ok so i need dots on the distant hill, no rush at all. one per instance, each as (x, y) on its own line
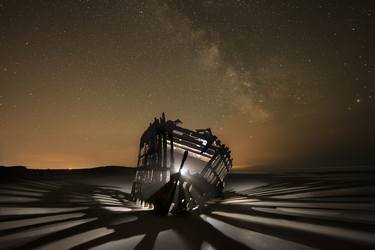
(102, 170)
(13, 168)
(305, 169)
(107, 169)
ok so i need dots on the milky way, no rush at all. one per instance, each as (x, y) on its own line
(283, 83)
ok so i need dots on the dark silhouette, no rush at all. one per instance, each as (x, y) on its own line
(159, 181)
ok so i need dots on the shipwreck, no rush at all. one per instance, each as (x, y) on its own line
(179, 169)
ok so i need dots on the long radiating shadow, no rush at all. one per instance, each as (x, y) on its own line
(314, 240)
(279, 200)
(341, 204)
(190, 228)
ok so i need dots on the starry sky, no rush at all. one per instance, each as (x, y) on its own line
(282, 83)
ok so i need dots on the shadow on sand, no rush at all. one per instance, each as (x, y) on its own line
(98, 207)
(291, 212)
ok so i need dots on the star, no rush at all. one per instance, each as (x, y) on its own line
(261, 71)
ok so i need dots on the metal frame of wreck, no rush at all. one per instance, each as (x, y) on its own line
(153, 155)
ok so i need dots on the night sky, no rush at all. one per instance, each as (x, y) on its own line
(283, 83)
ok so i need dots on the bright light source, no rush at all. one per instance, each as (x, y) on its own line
(184, 171)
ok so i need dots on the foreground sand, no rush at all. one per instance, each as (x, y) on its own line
(258, 211)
